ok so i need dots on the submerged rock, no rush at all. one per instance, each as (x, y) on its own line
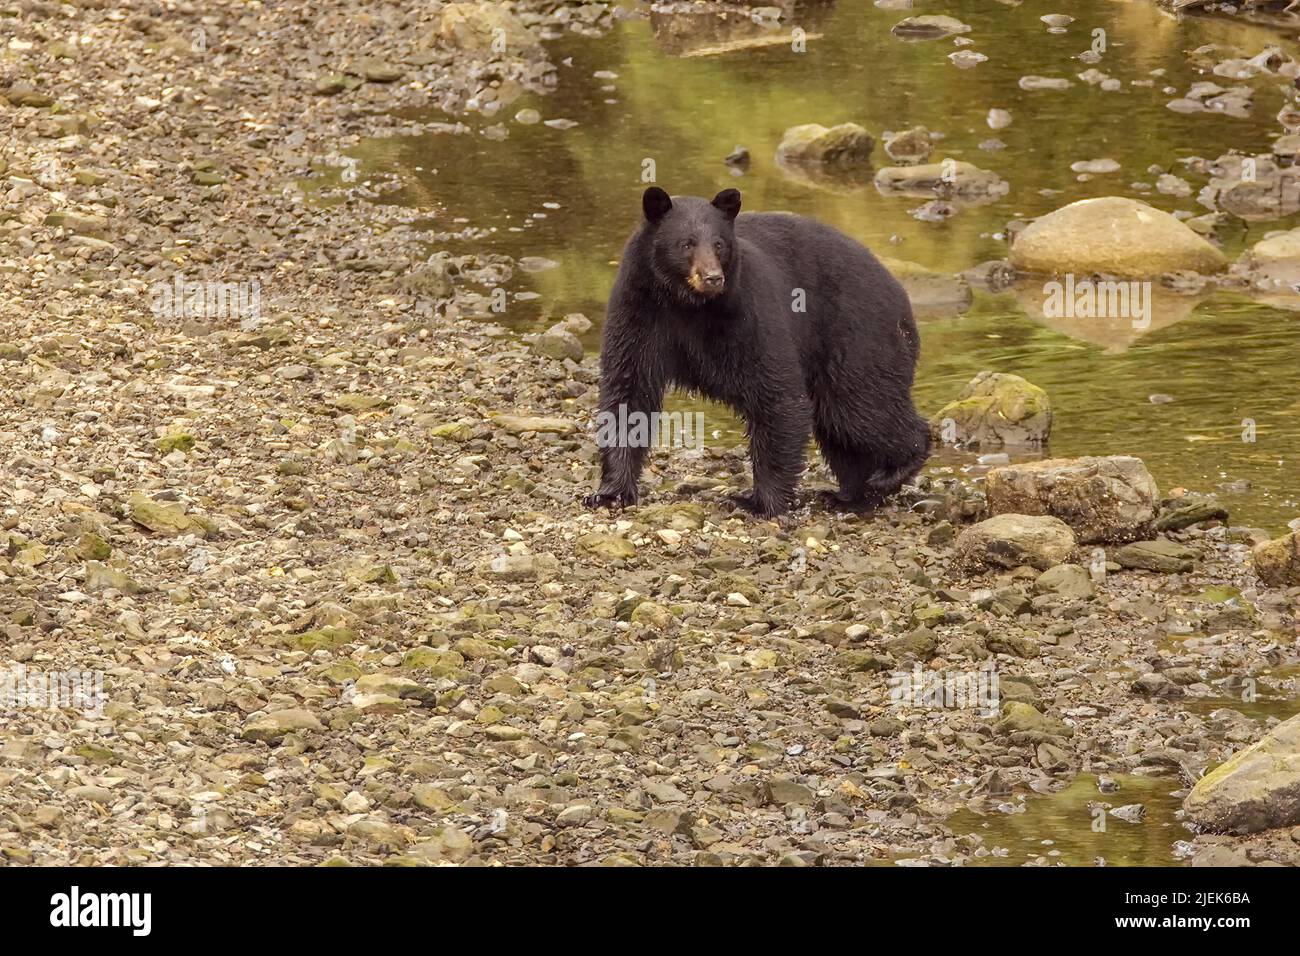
(929, 27)
(1111, 236)
(993, 410)
(953, 179)
(1102, 499)
(1256, 789)
(930, 292)
(845, 145)
(909, 146)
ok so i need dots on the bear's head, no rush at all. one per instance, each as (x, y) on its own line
(693, 242)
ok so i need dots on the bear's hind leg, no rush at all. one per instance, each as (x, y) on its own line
(902, 466)
(852, 468)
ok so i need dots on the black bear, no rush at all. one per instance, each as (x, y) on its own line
(794, 325)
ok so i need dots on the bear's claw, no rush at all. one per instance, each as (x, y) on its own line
(614, 500)
(750, 502)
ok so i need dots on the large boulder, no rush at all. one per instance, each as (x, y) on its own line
(1115, 236)
(485, 28)
(993, 410)
(1102, 499)
(1009, 541)
(1256, 789)
(845, 145)
(1277, 562)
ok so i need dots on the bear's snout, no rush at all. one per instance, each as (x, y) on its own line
(707, 281)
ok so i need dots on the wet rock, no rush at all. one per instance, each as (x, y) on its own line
(966, 59)
(951, 179)
(1277, 562)
(1112, 236)
(1010, 540)
(1094, 166)
(1044, 83)
(1161, 555)
(845, 145)
(738, 158)
(1184, 513)
(909, 146)
(929, 27)
(1256, 789)
(1273, 263)
(1102, 499)
(931, 293)
(1260, 190)
(995, 410)
(998, 119)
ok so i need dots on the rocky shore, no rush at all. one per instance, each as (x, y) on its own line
(332, 566)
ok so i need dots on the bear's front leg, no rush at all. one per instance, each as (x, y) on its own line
(620, 467)
(778, 437)
(631, 394)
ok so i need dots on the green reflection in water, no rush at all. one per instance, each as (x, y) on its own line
(1062, 828)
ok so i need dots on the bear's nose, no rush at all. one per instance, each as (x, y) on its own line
(712, 281)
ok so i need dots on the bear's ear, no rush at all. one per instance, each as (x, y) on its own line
(656, 203)
(729, 202)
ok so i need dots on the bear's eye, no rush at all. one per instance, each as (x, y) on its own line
(688, 243)
(717, 245)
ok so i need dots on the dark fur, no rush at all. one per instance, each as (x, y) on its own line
(840, 371)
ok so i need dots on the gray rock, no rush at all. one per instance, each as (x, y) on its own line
(1065, 580)
(1011, 540)
(1102, 499)
(1161, 555)
(1256, 789)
